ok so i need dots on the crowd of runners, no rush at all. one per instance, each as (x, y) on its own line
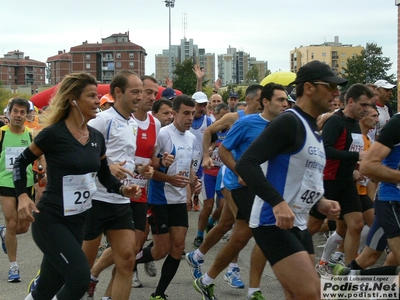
(274, 166)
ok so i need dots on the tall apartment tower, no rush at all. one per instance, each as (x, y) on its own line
(233, 66)
(334, 54)
(179, 53)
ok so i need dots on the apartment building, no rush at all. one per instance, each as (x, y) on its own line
(335, 54)
(102, 60)
(17, 69)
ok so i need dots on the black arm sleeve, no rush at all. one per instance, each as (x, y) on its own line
(110, 182)
(333, 128)
(279, 137)
(19, 170)
(390, 133)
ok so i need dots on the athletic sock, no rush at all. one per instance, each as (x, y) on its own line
(331, 244)
(168, 272)
(144, 256)
(200, 233)
(354, 265)
(232, 266)
(197, 255)
(251, 291)
(210, 221)
(207, 280)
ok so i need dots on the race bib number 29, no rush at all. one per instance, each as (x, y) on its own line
(77, 193)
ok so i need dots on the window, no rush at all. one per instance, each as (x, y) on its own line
(323, 54)
(118, 55)
(130, 54)
(343, 54)
(9, 69)
(87, 56)
(118, 64)
(41, 77)
(312, 55)
(131, 64)
(9, 77)
(87, 66)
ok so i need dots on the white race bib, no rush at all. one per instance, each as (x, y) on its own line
(357, 145)
(183, 166)
(77, 193)
(11, 153)
(216, 159)
(138, 179)
(196, 160)
(310, 192)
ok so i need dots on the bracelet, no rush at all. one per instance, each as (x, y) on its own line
(121, 190)
(161, 164)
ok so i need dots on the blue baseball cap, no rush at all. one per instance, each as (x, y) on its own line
(233, 95)
(168, 93)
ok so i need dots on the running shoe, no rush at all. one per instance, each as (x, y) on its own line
(196, 204)
(150, 269)
(209, 227)
(323, 269)
(195, 266)
(337, 259)
(233, 279)
(135, 280)
(206, 290)
(255, 296)
(338, 269)
(158, 297)
(13, 274)
(91, 289)
(101, 249)
(33, 283)
(198, 240)
(3, 238)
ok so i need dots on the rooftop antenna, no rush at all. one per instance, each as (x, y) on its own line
(184, 24)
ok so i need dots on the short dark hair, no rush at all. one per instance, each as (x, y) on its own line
(220, 107)
(268, 91)
(157, 104)
(252, 90)
(299, 89)
(120, 80)
(357, 90)
(144, 77)
(19, 101)
(182, 99)
(342, 96)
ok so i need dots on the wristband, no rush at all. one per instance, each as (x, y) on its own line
(121, 190)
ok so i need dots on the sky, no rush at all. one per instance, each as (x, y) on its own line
(265, 29)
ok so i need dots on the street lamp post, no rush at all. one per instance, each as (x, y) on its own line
(170, 4)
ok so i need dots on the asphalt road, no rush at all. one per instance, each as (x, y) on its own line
(29, 258)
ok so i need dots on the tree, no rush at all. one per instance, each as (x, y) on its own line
(184, 78)
(368, 66)
(252, 75)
